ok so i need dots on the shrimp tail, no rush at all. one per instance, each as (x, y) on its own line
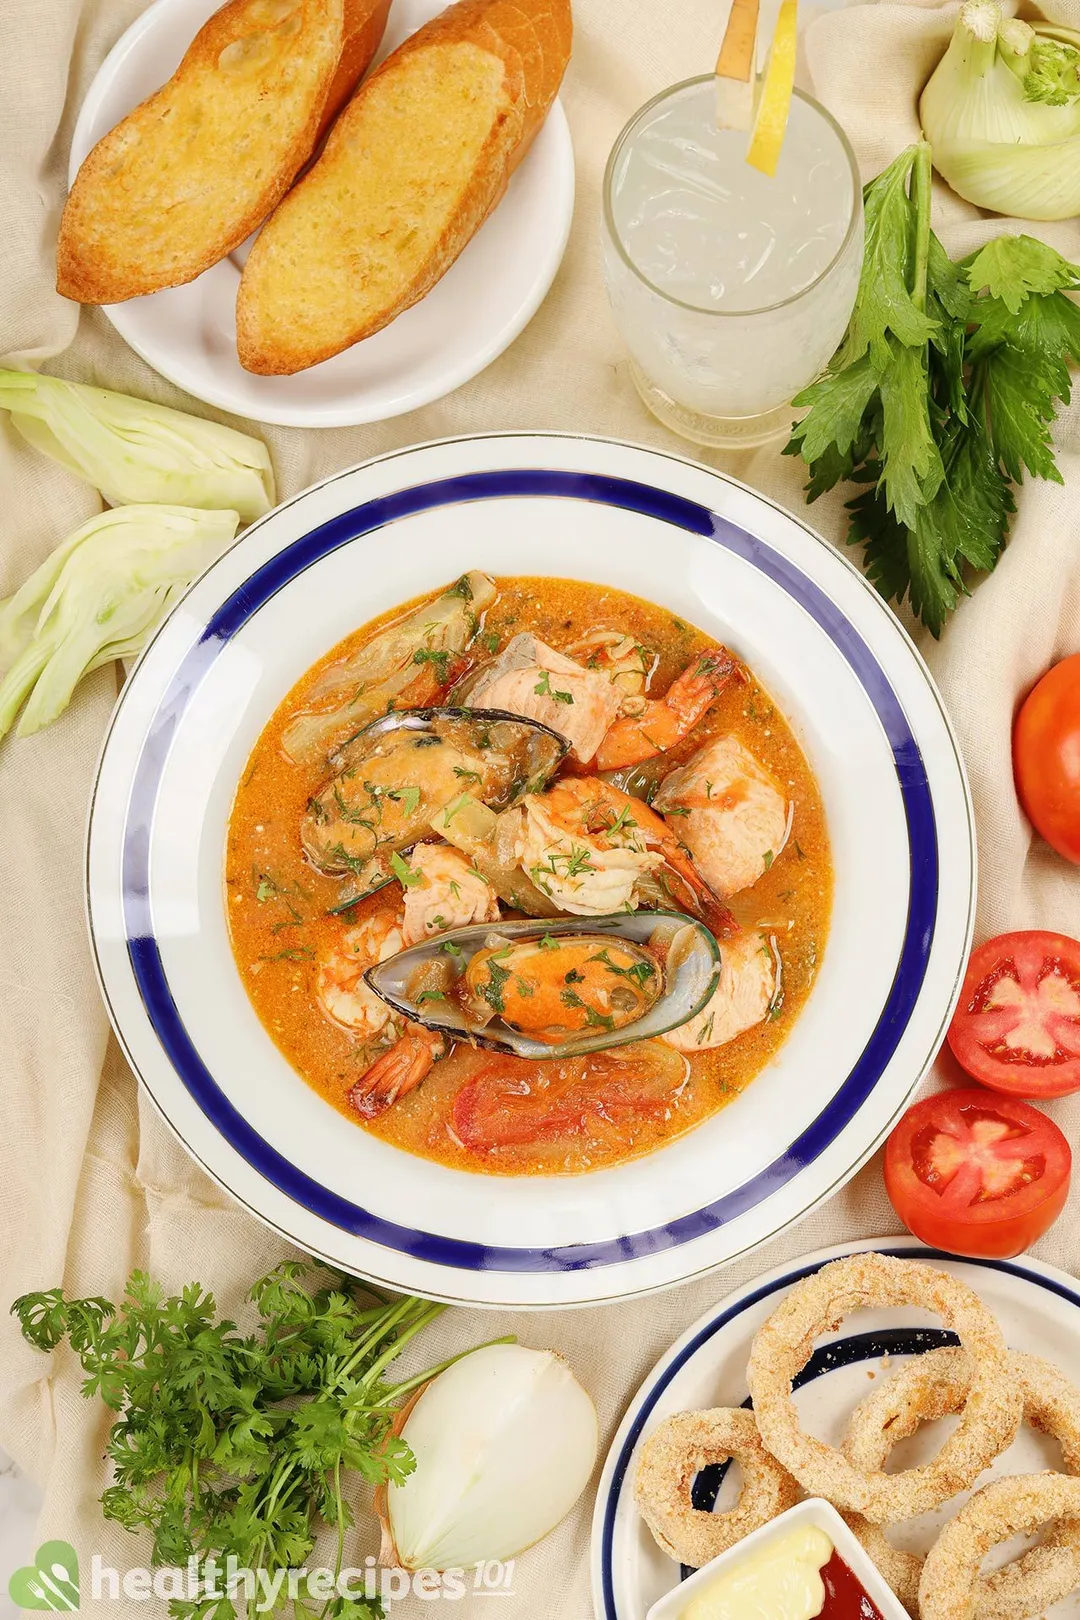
(397, 1072)
(667, 720)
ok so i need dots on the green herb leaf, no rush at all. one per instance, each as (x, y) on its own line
(943, 393)
(440, 659)
(408, 798)
(885, 303)
(405, 874)
(1012, 267)
(544, 688)
(230, 1443)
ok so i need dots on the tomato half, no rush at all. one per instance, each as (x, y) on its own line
(1017, 1026)
(977, 1175)
(1046, 757)
(511, 1104)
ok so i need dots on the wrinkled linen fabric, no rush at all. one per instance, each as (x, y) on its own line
(94, 1183)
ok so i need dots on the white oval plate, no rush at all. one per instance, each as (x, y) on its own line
(717, 554)
(476, 311)
(1039, 1311)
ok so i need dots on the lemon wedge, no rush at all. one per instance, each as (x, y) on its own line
(775, 104)
(735, 67)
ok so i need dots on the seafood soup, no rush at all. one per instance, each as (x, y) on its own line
(528, 876)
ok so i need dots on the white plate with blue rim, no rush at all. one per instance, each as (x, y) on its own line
(1037, 1306)
(484, 301)
(716, 554)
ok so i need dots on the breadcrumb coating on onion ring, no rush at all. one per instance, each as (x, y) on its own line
(676, 1452)
(1008, 1507)
(934, 1386)
(817, 1305)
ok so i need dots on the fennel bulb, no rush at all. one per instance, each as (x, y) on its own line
(1002, 114)
(133, 451)
(98, 597)
(505, 1440)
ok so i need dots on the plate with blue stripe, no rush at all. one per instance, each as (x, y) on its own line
(751, 575)
(1037, 1306)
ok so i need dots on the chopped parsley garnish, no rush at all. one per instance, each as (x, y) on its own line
(623, 821)
(440, 659)
(408, 798)
(548, 943)
(570, 998)
(578, 860)
(268, 888)
(467, 775)
(524, 988)
(299, 953)
(405, 874)
(597, 1020)
(544, 688)
(429, 995)
(640, 973)
(491, 639)
(768, 858)
(462, 588)
(494, 991)
(451, 949)
(454, 806)
(573, 977)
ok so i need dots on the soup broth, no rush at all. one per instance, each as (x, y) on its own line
(492, 1112)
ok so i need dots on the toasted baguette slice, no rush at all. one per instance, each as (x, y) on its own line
(183, 179)
(410, 171)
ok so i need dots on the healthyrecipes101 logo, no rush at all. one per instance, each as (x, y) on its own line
(52, 1582)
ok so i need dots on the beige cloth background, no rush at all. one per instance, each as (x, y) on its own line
(93, 1183)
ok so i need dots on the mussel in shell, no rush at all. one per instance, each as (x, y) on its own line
(556, 988)
(400, 778)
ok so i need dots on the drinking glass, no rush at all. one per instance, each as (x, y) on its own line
(731, 288)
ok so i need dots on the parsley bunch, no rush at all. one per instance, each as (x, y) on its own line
(232, 1443)
(941, 394)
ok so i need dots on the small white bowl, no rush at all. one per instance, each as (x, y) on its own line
(815, 1512)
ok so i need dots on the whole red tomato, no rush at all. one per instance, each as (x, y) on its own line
(1046, 757)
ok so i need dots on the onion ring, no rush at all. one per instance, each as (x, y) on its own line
(783, 1345)
(1008, 1507)
(935, 1386)
(677, 1451)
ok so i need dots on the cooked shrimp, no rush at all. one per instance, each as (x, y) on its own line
(406, 1052)
(398, 1071)
(626, 663)
(589, 846)
(339, 981)
(749, 987)
(532, 679)
(452, 894)
(733, 817)
(666, 721)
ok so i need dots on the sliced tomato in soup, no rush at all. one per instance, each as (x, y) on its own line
(1017, 1026)
(976, 1174)
(513, 1103)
